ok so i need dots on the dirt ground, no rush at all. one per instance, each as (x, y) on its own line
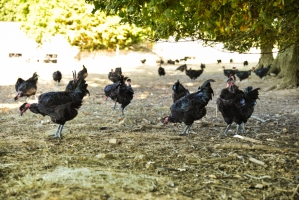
(104, 155)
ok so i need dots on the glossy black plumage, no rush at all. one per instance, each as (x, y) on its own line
(242, 75)
(228, 72)
(60, 106)
(115, 76)
(182, 68)
(120, 92)
(262, 72)
(83, 73)
(26, 88)
(236, 105)
(194, 74)
(110, 91)
(161, 71)
(178, 91)
(191, 107)
(57, 76)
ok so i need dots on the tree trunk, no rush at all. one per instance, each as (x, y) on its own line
(266, 55)
(289, 70)
(282, 59)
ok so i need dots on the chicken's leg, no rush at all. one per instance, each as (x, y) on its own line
(186, 130)
(226, 130)
(238, 126)
(58, 132)
(244, 127)
(114, 104)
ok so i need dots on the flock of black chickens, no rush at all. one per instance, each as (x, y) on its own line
(234, 104)
(194, 74)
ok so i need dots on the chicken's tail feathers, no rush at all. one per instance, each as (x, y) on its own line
(252, 94)
(207, 90)
(34, 77)
(207, 83)
(82, 86)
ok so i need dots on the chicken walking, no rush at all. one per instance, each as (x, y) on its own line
(236, 105)
(191, 107)
(26, 88)
(60, 106)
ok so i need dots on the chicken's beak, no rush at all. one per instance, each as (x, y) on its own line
(21, 112)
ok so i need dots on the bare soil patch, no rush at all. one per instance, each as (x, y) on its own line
(148, 160)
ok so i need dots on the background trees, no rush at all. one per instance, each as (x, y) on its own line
(239, 24)
(73, 19)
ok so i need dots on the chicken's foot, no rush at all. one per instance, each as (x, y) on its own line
(186, 130)
(226, 130)
(58, 132)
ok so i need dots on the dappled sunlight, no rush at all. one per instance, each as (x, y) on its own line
(189, 84)
(143, 95)
(135, 86)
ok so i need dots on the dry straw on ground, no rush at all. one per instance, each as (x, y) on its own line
(147, 160)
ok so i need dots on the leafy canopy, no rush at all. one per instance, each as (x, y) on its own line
(239, 24)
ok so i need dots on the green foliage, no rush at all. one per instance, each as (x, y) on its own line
(14, 10)
(239, 24)
(42, 19)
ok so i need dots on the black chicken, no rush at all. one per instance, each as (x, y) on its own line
(120, 92)
(262, 72)
(110, 90)
(172, 62)
(191, 107)
(160, 61)
(124, 94)
(178, 91)
(115, 76)
(236, 105)
(242, 75)
(161, 71)
(228, 72)
(143, 61)
(60, 106)
(182, 68)
(57, 76)
(219, 61)
(194, 74)
(26, 88)
(83, 73)
(231, 61)
(245, 63)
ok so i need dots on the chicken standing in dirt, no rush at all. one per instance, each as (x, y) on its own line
(57, 76)
(262, 72)
(111, 89)
(161, 71)
(194, 74)
(124, 94)
(191, 107)
(60, 106)
(26, 88)
(81, 74)
(178, 91)
(120, 92)
(236, 105)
